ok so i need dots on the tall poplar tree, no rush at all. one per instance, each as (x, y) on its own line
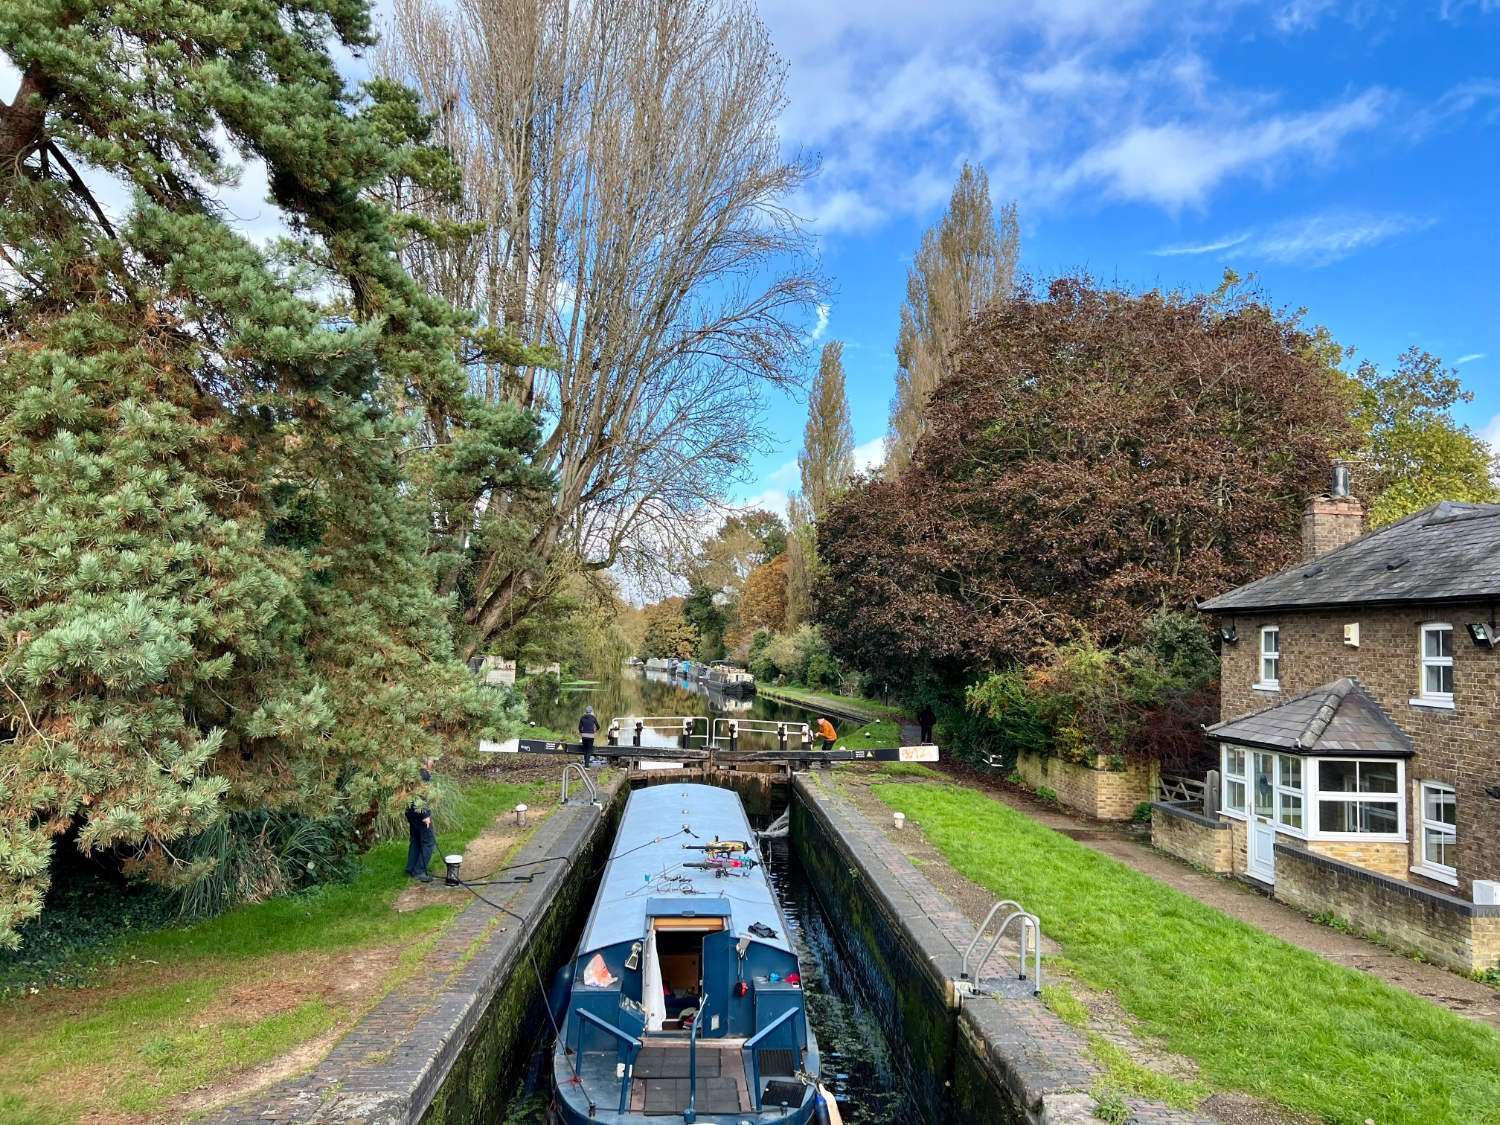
(965, 261)
(215, 600)
(827, 457)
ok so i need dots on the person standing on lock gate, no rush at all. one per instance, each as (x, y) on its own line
(826, 733)
(926, 717)
(588, 726)
(422, 841)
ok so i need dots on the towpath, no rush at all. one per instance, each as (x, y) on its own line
(1459, 994)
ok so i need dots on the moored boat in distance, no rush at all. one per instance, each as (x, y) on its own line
(658, 664)
(730, 680)
(686, 998)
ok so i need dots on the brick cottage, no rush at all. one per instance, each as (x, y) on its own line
(1359, 747)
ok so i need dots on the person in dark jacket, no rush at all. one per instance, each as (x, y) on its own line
(588, 726)
(421, 842)
(926, 717)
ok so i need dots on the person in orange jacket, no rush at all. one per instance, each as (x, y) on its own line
(826, 732)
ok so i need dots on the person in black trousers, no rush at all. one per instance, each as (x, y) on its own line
(422, 841)
(926, 717)
(588, 726)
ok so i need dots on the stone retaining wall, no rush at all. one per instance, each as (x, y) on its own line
(1446, 929)
(1182, 831)
(1096, 790)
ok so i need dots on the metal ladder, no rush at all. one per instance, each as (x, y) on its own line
(583, 775)
(967, 984)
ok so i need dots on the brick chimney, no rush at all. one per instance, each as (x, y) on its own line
(1331, 521)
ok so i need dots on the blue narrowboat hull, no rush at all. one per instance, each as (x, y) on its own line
(686, 1000)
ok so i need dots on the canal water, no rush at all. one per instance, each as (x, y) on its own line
(857, 1062)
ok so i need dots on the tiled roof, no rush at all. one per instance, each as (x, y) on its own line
(1447, 552)
(1337, 718)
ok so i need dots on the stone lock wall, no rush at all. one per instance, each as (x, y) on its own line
(1096, 790)
(1447, 930)
(1187, 834)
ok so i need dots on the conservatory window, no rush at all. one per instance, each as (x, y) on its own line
(1359, 798)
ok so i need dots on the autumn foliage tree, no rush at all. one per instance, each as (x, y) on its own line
(1095, 455)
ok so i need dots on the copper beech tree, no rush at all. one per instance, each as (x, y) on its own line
(1096, 455)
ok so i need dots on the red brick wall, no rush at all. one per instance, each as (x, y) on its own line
(1460, 747)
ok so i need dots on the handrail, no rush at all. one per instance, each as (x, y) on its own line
(624, 1036)
(979, 933)
(588, 782)
(1027, 919)
(690, 1114)
(750, 1045)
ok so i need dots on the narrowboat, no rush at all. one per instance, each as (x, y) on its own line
(658, 664)
(731, 680)
(685, 1001)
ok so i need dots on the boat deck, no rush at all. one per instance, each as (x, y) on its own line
(660, 1084)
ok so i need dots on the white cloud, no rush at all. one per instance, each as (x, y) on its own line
(1178, 164)
(1301, 15)
(1490, 432)
(1225, 243)
(1055, 99)
(821, 326)
(869, 455)
(1470, 358)
(1314, 240)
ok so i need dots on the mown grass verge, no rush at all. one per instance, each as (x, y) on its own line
(815, 699)
(184, 1007)
(881, 734)
(1253, 1012)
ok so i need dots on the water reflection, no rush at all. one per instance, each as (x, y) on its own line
(655, 693)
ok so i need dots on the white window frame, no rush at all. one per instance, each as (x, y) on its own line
(1242, 779)
(1424, 697)
(1424, 866)
(1262, 683)
(1285, 791)
(1316, 795)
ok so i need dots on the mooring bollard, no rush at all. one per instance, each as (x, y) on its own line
(639, 726)
(781, 736)
(899, 820)
(614, 732)
(521, 816)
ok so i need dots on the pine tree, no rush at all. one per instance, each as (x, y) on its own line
(215, 597)
(964, 263)
(827, 457)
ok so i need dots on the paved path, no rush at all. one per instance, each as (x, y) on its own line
(1237, 899)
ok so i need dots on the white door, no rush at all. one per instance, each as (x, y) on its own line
(1260, 860)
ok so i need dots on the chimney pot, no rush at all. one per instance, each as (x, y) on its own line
(1328, 522)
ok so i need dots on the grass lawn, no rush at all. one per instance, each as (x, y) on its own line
(1255, 1013)
(878, 735)
(813, 699)
(188, 1006)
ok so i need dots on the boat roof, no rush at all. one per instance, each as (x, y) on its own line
(663, 828)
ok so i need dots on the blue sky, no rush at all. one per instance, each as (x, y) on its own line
(1347, 154)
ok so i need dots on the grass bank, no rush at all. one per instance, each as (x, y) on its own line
(868, 709)
(1253, 1012)
(182, 1008)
